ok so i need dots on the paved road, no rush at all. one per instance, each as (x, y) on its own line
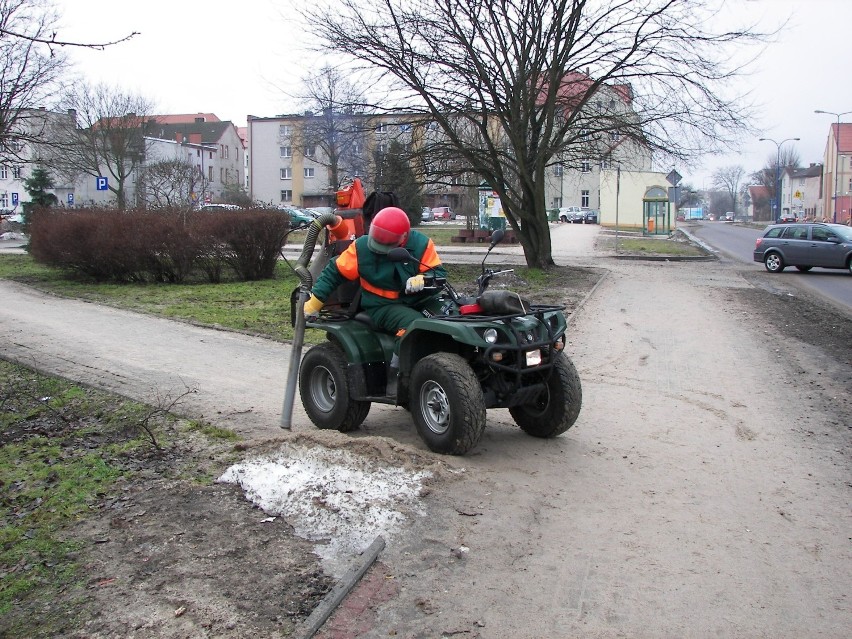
(694, 497)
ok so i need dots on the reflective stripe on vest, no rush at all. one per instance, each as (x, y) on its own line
(381, 292)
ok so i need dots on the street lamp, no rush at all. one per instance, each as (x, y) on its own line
(778, 171)
(836, 158)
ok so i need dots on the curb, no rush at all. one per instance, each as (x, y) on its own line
(668, 258)
(585, 299)
(337, 594)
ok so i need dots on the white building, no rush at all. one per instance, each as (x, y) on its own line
(14, 169)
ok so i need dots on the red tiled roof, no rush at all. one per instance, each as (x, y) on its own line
(184, 118)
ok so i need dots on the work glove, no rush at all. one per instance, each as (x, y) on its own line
(312, 306)
(414, 284)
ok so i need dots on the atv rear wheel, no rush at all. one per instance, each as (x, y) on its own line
(557, 407)
(325, 390)
(447, 404)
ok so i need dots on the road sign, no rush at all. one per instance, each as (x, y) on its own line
(101, 184)
(71, 198)
(797, 195)
(674, 178)
(15, 199)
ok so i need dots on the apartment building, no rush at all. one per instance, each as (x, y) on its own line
(17, 166)
(214, 148)
(576, 180)
(801, 192)
(837, 177)
(302, 159)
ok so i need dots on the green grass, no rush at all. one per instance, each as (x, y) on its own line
(656, 247)
(63, 448)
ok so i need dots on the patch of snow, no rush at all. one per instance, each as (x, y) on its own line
(332, 496)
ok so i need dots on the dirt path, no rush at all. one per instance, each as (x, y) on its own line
(697, 495)
(703, 492)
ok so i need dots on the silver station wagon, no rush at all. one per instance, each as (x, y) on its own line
(805, 246)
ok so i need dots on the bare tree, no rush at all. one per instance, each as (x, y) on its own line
(728, 180)
(173, 184)
(29, 72)
(31, 67)
(515, 86)
(334, 127)
(106, 137)
(773, 169)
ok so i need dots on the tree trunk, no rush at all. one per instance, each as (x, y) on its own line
(534, 236)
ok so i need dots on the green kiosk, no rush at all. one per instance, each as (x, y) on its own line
(656, 214)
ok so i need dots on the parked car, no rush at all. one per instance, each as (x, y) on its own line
(787, 218)
(590, 216)
(443, 213)
(426, 215)
(805, 246)
(299, 217)
(570, 214)
(729, 216)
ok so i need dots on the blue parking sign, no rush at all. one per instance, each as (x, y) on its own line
(70, 198)
(14, 199)
(101, 183)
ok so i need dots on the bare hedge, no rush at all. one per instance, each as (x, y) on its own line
(160, 246)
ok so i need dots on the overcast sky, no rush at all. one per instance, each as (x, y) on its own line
(238, 58)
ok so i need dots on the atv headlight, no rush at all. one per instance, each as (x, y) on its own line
(490, 335)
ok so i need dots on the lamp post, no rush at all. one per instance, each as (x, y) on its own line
(778, 171)
(836, 158)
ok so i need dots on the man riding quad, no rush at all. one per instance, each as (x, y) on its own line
(391, 292)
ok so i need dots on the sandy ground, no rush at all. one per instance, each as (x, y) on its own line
(703, 492)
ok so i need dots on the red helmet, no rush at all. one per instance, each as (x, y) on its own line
(388, 229)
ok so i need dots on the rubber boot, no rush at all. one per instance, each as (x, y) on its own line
(393, 375)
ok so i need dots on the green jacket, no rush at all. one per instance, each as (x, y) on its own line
(382, 281)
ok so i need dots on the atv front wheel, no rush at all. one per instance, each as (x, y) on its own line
(325, 390)
(447, 404)
(557, 407)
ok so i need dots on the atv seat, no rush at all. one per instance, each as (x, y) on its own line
(361, 316)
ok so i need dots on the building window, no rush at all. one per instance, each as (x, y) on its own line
(614, 136)
(584, 135)
(222, 174)
(381, 147)
(356, 149)
(286, 174)
(284, 130)
(16, 172)
(557, 170)
(4, 172)
(310, 151)
(211, 155)
(382, 128)
(557, 202)
(585, 166)
(309, 172)
(4, 200)
(606, 163)
(584, 199)
(285, 151)
(286, 195)
(210, 173)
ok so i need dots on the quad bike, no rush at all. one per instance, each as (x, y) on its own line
(466, 355)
